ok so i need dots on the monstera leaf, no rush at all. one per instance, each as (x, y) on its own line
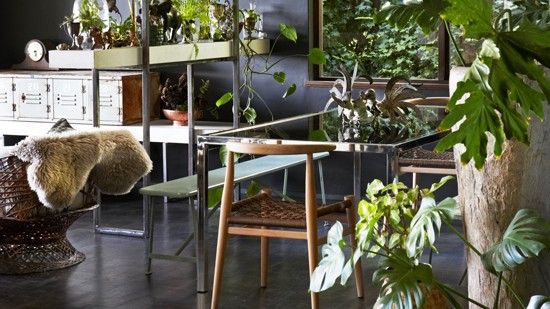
(475, 17)
(424, 13)
(526, 236)
(402, 280)
(332, 263)
(426, 221)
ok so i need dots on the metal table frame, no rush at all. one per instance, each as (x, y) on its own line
(204, 142)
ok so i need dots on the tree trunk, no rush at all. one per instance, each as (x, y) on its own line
(491, 197)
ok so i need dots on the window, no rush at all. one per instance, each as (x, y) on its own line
(348, 33)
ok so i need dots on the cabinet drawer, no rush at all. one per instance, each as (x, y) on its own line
(31, 97)
(6, 98)
(110, 101)
(68, 99)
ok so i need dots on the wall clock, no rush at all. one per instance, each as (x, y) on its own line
(36, 56)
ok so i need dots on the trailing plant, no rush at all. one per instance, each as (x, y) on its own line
(255, 64)
(366, 119)
(497, 96)
(398, 223)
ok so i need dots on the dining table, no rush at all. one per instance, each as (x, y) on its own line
(325, 127)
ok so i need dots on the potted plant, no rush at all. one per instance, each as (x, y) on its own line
(397, 224)
(195, 19)
(364, 118)
(495, 113)
(173, 96)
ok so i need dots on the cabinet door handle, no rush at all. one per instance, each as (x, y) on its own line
(23, 97)
(84, 110)
(13, 107)
(48, 109)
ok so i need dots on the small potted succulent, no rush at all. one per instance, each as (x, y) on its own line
(173, 95)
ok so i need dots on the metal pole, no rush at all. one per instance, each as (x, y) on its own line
(190, 121)
(391, 166)
(164, 167)
(236, 64)
(95, 120)
(201, 227)
(145, 93)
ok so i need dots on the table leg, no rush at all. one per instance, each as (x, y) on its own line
(164, 168)
(391, 166)
(202, 221)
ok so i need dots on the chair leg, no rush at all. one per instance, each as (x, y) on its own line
(311, 224)
(358, 269)
(218, 268)
(264, 253)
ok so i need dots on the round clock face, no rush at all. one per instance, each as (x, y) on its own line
(35, 50)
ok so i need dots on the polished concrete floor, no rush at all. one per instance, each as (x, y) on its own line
(112, 276)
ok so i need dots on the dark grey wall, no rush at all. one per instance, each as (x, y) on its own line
(23, 20)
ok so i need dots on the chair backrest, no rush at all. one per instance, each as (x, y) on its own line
(272, 149)
(277, 149)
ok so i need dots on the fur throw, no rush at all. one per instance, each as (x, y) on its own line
(61, 164)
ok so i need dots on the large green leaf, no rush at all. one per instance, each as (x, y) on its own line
(539, 302)
(401, 279)
(317, 56)
(330, 268)
(477, 116)
(250, 115)
(224, 99)
(475, 16)
(425, 13)
(426, 221)
(279, 77)
(288, 32)
(526, 236)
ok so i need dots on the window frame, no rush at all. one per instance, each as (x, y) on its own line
(317, 80)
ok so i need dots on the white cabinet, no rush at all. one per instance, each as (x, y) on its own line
(31, 98)
(51, 95)
(7, 108)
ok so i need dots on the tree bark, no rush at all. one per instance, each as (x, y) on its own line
(490, 198)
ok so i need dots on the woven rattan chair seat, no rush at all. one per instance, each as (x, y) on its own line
(421, 157)
(263, 210)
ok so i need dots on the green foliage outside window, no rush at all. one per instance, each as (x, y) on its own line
(351, 34)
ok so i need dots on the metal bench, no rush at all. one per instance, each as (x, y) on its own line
(186, 187)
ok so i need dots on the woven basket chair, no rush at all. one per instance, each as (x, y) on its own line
(32, 237)
(264, 217)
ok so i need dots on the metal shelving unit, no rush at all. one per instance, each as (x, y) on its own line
(145, 58)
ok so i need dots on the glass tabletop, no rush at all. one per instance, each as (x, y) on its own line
(337, 128)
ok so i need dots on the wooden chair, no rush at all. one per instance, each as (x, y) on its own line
(265, 217)
(419, 160)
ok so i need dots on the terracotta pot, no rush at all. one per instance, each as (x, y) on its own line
(178, 118)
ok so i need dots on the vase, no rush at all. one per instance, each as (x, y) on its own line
(179, 118)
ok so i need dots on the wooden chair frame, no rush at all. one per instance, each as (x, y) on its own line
(310, 234)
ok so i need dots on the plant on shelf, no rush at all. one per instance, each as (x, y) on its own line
(90, 15)
(174, 100)
(195, 18)
(366, 119)
(397, 224)
(255, 65)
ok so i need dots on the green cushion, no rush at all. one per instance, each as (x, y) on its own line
(247, 170)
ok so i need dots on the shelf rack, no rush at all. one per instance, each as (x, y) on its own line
(146, 57)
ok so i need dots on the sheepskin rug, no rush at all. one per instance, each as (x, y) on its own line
(61, 164)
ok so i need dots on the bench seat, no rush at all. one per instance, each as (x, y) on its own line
(247, 170)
